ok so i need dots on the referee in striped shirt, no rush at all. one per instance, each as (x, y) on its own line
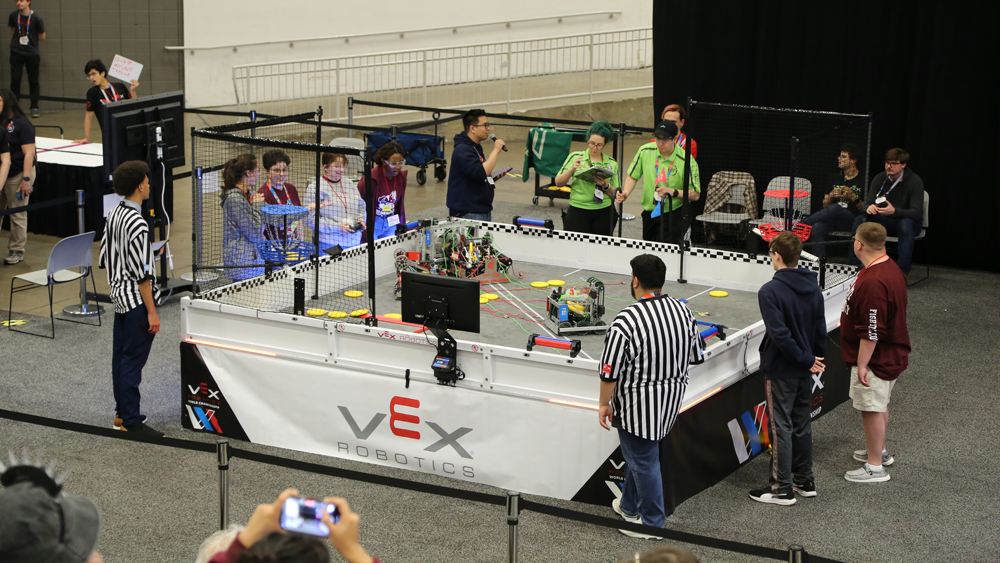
(644, 373)
(128, 258)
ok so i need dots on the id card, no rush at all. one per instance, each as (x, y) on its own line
(392, 220)
(24, 40)
(598, 195)
(490, 181)
(385, 208)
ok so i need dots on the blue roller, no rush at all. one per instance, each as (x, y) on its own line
(530, 222)
(709, 332)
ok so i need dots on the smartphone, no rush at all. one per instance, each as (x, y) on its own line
(502, 173)
(302, 515)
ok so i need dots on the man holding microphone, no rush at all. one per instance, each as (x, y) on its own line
(470, 184)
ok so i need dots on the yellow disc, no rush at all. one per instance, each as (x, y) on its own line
(483, 300)
(394, 316)
(353, 293)
(490, 296)
(556, 282)
(539, 284)
(337, 314)
(565, 189)
(718, 293)
(554, 188)
(316, 312)
(359, 312)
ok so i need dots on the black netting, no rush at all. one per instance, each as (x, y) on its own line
(256, 216)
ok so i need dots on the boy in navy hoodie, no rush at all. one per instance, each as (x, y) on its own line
(470, 187)
(794, 317)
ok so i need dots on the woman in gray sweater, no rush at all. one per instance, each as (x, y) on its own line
(242, 228)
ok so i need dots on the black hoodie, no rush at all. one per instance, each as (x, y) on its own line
(794, 316)
(468, 189)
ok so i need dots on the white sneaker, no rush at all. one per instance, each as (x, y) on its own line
(862, 456)
(640, 535)
(616, 505)
(865, 475)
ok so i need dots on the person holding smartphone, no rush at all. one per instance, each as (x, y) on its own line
(341, 209)
(263, 539)
(590, 204)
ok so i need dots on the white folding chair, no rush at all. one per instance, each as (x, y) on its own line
(70, 252)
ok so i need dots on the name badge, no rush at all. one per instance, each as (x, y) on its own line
(489, 180)
(385, 208)
(598, 195)
(24, 40)
(393, 220)
(879, 200)
(842, 204)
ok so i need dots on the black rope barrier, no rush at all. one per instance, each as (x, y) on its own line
(394, 482)
(37, 206)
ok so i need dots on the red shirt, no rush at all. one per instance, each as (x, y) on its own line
(875, 309)
(273, 196)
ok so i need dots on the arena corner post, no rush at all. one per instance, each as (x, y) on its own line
(620, 155)
(316, 214)
(370, 230)
(793, 169)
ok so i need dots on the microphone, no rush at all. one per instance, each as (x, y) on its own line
(494, 138)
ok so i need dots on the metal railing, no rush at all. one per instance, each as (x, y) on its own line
(513, 75)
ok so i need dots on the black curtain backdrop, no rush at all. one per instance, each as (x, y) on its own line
(928, 71)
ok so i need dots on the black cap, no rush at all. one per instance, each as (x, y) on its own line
(666, 129)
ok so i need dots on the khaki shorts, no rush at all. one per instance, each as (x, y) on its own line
(870, 399)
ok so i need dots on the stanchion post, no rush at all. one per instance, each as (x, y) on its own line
(84, 309)
(350, 116)
(513, 514)
(222, 449)
(797, 554)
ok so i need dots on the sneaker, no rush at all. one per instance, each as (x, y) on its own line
(771, 497)
(640, 535)
(144, 430)
(866, 475)
(14, 257)
(862, 456)
(35, 112)
(119, 422)
(616, 505)
(807, 489)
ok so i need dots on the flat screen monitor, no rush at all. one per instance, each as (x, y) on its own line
(448, 302)
(129, 130)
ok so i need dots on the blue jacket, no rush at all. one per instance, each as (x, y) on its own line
(468, 190)
(794, 316)
(241, 231)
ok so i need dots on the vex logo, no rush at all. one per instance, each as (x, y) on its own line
(203, 419)
(406, 425)
(204, 390)
(750, 436)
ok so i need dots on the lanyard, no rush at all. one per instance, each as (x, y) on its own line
(334, 190)
(276, 198)
(856, 280)
(27, 24)
(898, 180)
(682, 140)
(115, 96)
(656, 171)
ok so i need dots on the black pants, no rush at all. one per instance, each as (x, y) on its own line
(789, 423)
(17, 60)
(591, 221)
(131, 342)
(672, 233)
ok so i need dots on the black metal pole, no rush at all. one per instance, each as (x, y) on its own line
(686, 205)
(822, 272)
(370, 230)
(620, 155)
(793, 165)
(316, 213)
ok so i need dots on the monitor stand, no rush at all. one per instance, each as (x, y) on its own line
(445, 364)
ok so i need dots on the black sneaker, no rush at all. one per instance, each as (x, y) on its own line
(144, 430)
(35, 112)
(118, 423)
(807, 489)
(773, 497)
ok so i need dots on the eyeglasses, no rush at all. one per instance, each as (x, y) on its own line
(855, 239)
(396, 163)
(486, 125)
(596, 145)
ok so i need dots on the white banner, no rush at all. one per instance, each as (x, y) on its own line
(528, 445)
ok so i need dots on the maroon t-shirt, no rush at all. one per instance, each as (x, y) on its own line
(273, 196)
(389, 193)
(875, 309)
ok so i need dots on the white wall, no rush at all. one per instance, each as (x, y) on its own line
(215, 23)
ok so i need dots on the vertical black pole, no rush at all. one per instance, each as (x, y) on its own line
(822, 272)
(620, 155)
(370, 230)
(393, 134)
(681, 246)
(793, 165)
(316, 213)
(253, 119)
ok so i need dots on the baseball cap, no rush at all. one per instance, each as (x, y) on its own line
(39, 526)
(666, 129)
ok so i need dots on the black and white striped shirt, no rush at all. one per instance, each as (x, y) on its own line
(647, 351)
(127, 256)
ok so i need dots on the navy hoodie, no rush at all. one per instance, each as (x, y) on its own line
(468, 190)
(794, 316)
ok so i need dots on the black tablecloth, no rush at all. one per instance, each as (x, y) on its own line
(54, 181)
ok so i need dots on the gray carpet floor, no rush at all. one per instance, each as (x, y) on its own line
(159, 503)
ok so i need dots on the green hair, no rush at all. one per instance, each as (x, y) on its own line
(602, 129)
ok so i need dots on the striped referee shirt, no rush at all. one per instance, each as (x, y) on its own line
(647, 351)
(127, 256)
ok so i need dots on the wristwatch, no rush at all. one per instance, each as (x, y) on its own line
(27, 178)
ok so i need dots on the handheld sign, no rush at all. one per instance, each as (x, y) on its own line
(125, 69)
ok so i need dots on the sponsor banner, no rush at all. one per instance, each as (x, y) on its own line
(203, 406)
(717, 436)
(528, 445)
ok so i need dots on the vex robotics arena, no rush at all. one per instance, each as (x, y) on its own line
(589, 282)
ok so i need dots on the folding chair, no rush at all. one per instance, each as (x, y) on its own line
(70, 252)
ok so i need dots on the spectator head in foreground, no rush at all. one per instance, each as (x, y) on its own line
(216, 543)
(664, 554)
(38, 522)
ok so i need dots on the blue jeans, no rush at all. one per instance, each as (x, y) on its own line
(477, 216)
(131, 342)
(904, 229)
(643, 492)
(789, 404)
(831, 218)
(383, 229)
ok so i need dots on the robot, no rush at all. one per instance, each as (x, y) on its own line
(578, 311)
